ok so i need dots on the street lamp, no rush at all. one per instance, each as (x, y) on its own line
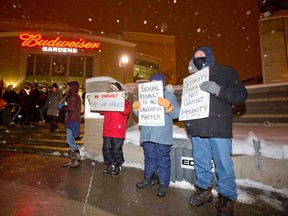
(122, 63)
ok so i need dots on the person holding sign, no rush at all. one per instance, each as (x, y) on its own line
(114, 132)
(211, 136)
(157, 140)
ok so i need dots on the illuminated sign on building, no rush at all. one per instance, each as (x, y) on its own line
(56, 45)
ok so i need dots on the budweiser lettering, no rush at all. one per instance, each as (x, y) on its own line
(31, 40)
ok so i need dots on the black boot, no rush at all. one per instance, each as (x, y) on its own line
(201, 196)
(116, 171)
(109, 169)
(162, 190)
(145, 184)
(224, 206)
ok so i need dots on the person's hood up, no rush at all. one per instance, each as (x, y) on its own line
(210, 60)
(73, 87)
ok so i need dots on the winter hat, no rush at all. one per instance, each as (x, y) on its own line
(116, 85)
(55, 85)
(158, 77)
(73, 86)
(210, 60)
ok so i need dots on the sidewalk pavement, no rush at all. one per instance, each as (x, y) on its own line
(33, 184)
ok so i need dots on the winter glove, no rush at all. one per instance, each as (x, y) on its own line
(125, 95)
(60, 106)
(136, 105)
(211, 87)
(166, 104)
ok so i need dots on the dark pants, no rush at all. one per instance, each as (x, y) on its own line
(112, 151)
(53, 123)
(157, 159)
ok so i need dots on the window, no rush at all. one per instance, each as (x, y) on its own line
(144, 69)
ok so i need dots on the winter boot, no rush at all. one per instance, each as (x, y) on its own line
(116, 171)
(224, 206)
(70, 161)
(162, 190)
(109, 169)
(145, 184)
(76, 160)
(201, 196)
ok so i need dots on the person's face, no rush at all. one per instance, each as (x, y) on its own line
(199, 53)
(112, 88)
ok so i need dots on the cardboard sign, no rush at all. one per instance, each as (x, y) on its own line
(195, 102)
(150, 112)
(107, 101)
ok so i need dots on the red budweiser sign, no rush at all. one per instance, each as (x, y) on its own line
(36, 40)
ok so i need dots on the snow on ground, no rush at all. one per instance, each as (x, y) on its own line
(274, 144)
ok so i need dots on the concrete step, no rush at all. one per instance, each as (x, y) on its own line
(35, 139)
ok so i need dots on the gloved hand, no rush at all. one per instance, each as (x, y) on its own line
(211, 87)
(125, 94)
(165, 103)
(136, 105)
(60, 106)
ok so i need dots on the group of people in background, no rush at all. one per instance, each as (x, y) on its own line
(32, 104)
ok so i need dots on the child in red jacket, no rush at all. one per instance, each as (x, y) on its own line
(114, 132)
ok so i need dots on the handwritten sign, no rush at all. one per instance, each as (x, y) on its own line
(107, 101)
(150, 112)
(195, 102)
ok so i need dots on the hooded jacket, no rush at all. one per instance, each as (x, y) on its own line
(73, 108)
(161, 134)
(232, 92)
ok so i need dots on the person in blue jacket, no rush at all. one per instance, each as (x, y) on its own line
(211, 136)
(157, 142)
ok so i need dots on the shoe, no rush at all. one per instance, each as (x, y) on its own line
(162, 190)
(116, 172)
(145, 184)
(201, 196)
(224, 206)
(109, 169)
(70, 160)
(76, 160)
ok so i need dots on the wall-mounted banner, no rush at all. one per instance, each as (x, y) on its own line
(107, 101)
(195, 102)
(150, 112)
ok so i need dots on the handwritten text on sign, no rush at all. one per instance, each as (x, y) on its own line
(150, 112)
(195, 102)
(107, 101)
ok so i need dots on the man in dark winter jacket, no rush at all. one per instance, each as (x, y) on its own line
(72, 110)
(211, 136)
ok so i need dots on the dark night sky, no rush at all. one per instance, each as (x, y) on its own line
(228, 27)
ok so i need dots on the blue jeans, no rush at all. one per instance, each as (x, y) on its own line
(218, 149)
(157, 160)
(72, 132)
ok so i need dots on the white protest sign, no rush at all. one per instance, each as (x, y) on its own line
(107, 101)
(150, 112)
(195, 102)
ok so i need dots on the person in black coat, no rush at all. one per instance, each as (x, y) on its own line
(211, 136)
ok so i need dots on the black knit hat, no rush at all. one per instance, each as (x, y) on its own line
(55, 85)
(117, 85)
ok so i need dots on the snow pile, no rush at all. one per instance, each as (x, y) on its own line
(241, 145)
